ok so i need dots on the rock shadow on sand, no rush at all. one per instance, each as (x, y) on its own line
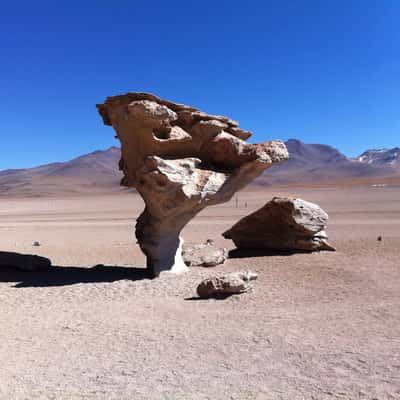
(250, 253)
(14, 267)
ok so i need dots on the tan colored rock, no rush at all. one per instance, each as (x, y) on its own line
(227, 284)
(283, 224)
(204, 255)
(180, 160)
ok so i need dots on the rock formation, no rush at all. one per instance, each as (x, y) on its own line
(204, 255)
(283, 224)
(226, 285)
(180, 160)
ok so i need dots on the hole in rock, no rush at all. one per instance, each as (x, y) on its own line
(162, 133)
(216, 167)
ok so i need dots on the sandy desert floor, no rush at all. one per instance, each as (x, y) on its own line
(316, 326)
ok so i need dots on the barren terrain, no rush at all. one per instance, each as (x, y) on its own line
(316, 326)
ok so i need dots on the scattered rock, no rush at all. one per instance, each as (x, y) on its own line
(227, 284)
(24, 262)
(36, 244)
(180, 160)
(283, 224)
(204, 255)
(379, 238)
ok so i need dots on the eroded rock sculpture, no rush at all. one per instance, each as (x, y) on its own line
(227, 284)
(180, 160)
(283, 224)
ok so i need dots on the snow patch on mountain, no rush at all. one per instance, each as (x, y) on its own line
(381, 157)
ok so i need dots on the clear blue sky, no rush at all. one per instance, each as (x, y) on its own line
(324, 71)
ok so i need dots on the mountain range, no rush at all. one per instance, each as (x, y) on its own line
(320, 163)
(92, 173)
(98, 172)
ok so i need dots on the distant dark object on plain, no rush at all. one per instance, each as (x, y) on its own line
(379, 238)
(36, 244)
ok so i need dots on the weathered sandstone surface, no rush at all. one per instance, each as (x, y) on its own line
(283, 224)
(180, 160)
(204, 255)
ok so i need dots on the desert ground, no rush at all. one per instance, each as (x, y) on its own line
(316, 326)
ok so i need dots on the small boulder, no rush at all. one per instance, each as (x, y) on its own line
(227, 284)
(283, 224)
(204, 255)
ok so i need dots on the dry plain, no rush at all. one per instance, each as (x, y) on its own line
(316, 326)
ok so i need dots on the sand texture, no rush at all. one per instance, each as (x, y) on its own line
(316, 326)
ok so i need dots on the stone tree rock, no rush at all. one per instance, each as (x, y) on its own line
(283, 224)
(180, 160)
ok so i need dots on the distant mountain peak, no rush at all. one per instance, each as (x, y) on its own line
(381, 157)
(113, 149)
(303, 153)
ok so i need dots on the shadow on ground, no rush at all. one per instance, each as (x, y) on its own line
(22, 269)
(249, 253)
(215, 297)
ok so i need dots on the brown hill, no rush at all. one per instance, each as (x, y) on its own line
(92, 173)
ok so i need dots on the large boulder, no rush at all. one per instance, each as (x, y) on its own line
(204, 255)
(283, 224)
(180, 160)
(227, 284)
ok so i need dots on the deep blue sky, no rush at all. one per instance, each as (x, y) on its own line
(321, 71)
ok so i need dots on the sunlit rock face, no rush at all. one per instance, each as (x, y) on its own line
(180, 160)
(283, 224)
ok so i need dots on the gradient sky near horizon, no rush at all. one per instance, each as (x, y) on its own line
(320, 71)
